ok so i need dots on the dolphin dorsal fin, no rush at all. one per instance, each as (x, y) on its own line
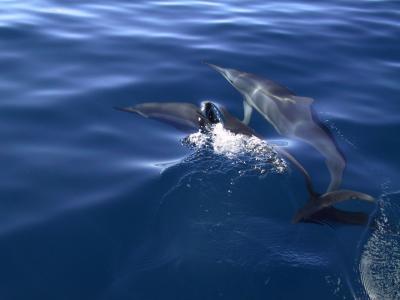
(302, 100)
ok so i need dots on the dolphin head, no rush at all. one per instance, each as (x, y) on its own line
(210, 115)
(230, 74)
(239, 80)
(211, 112)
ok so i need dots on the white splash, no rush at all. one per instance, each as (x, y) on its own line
(237, 146)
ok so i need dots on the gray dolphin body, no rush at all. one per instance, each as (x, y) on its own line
(184, 116)
(188, 116)
(292, 116)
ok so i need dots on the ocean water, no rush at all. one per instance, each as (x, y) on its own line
(100, 204)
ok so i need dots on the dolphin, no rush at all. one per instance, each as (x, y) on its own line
(292, 116)
(189, 116)
(183, 116)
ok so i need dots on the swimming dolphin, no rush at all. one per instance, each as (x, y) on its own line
(292, 116)
(189, 116)
(184, 116)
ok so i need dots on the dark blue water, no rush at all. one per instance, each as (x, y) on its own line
(99, 204)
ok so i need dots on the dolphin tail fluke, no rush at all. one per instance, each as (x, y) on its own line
(321, 208)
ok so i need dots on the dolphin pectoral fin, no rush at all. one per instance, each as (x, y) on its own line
(325, 201)
(248, 110)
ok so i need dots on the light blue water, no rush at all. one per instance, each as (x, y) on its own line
(98, 204)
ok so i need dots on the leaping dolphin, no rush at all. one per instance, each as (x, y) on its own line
(189, 116)
(292, 116)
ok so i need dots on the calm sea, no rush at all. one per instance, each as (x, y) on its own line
(100, 204)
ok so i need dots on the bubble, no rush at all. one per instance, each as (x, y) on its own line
(256, 154)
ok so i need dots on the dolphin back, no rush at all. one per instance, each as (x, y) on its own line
(234, 125)
(183, 116)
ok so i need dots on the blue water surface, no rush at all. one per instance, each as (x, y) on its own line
(99, 204)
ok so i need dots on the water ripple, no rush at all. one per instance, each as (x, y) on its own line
(66, 152)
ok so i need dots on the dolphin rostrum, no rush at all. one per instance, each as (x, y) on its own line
(292, 116)
(189, 116)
